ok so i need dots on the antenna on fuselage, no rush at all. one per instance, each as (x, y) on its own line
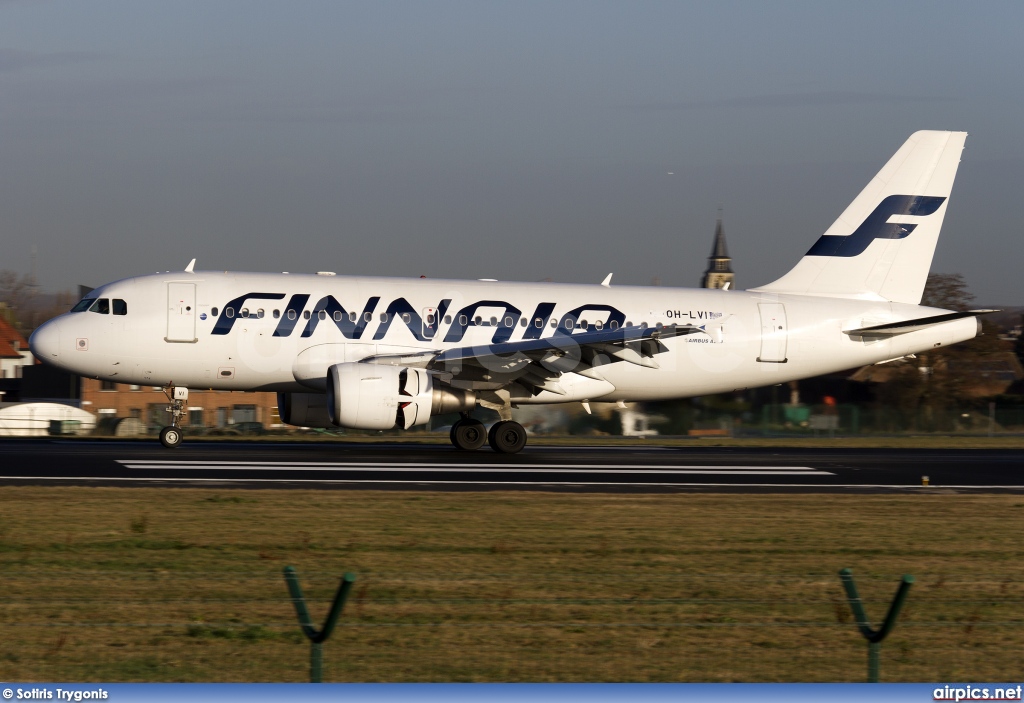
(191, 266)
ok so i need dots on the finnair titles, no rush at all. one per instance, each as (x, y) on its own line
(376, 353)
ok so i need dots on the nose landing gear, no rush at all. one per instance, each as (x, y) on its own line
(171, 436)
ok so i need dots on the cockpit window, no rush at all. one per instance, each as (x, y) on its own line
(120, 307)
(102, 306)
(83, 304)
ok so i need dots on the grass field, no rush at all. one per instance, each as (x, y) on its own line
(109, 584)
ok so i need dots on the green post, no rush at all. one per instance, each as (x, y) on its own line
(316, 638)
(874, 637)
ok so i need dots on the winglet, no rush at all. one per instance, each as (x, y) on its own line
(607, 282)
(191, 266)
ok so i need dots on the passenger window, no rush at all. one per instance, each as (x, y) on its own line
(368, 316)
(523, 322)
(614, 324)
(230, 312)
(568, 324)
(598, 325)
(120, 307)
(494, 322)
(213, 311)
(322, 314)
(305, 314)
(478, 320)
(244, 312)
(463, 320)
(405, 318)
(291, 314)
(337, 315)
(102, 306)
(277, 314)
(83, 304)
(538, 322)
(259, 314)
(643, 325)
(383, 317)
(554, 322)
(352, 317)
(583, 324)
(508, 321)
(447, 319)
(430, 318)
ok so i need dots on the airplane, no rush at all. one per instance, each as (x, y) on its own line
(374, 353)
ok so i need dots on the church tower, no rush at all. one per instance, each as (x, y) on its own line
(719, 271)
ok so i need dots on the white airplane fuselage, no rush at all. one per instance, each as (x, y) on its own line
(747, 339)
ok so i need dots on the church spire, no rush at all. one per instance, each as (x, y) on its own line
(719, 271)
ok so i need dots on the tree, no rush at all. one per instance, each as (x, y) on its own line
(18, 292)
(947, 291)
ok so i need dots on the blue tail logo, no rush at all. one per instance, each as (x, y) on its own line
(877, 225)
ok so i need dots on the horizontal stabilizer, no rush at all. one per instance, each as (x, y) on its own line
(891, 329)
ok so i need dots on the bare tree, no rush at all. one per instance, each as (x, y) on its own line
(18, 291)
(947, 291)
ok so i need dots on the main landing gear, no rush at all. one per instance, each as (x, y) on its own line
(171, 436)
(468, 434)
(505, 437)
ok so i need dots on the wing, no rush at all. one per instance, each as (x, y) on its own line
(538, 363)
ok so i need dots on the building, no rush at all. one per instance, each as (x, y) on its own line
(14, 352)
(211, 409)
(719, 272)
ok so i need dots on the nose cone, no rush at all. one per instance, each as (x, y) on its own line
(45, 342)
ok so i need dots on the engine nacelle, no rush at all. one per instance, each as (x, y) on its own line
(373, 397)
(304, 409)
(377, 397)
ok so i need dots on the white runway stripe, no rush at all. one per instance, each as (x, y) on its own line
(416, 482)
(417, 467)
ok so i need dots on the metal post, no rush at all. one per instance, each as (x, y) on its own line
(874, 637)
(316, 638)
(316, 662)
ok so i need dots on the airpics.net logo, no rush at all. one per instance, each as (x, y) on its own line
(978, 693)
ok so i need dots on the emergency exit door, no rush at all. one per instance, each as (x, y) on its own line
(181, 312)
(774, 333)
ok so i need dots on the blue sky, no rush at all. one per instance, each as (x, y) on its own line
(518, 140)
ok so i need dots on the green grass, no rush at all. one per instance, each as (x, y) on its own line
(107, 584)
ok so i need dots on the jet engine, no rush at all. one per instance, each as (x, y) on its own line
(378, 397)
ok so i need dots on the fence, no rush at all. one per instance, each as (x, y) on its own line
(555, 626)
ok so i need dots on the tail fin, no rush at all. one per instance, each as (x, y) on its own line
(881, 247)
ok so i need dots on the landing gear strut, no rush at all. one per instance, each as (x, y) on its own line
(171, 436)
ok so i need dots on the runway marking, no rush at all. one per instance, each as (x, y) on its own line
(830, 486)
(157, 464)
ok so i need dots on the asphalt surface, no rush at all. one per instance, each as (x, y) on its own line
(409, 466)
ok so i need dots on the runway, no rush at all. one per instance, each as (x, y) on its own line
(410, 466)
